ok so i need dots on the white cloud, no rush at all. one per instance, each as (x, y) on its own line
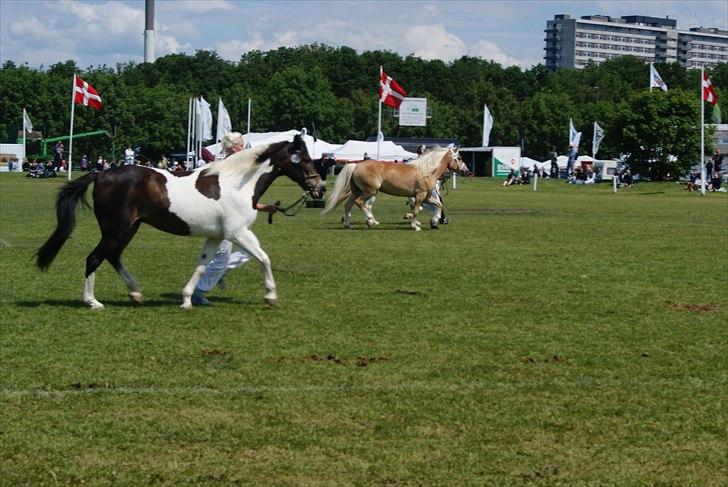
(433, 42)
(197, 6)
(492, 52)
(170, 45)
(288, 39)
(234, 48)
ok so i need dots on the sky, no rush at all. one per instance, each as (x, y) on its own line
(41, 33)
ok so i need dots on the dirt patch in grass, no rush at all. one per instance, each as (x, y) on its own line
(364, 361)
(553, 359)
(331, 358)
(693, 308)
(410, 292)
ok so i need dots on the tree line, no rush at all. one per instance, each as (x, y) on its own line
(336, 89)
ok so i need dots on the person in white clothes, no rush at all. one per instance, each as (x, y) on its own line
(129, 156)
(225, 258)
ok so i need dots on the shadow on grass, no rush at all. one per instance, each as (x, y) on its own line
(165, 300)
(388, 226)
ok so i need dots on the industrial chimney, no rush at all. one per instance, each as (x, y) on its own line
(149, 31)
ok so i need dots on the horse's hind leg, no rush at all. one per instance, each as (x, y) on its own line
(247, 240)
(93, 261)
(361, 202)
(347, 211)
(208, 252)
(369, 204)
(114, 259)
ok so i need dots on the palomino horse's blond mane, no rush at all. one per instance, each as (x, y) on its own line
(428, 162)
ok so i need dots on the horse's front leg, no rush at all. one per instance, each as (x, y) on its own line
(208, 252)
(247, 240)
(419, 198)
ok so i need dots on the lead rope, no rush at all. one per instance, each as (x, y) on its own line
(298, 204)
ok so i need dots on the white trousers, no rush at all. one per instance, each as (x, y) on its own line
(224, 259)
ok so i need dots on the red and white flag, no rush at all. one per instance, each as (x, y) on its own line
(85, 94)
(709, 94)
(391, 93)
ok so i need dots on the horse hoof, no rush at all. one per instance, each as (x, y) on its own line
(94, 304)
(434, 226)
(369, 224)
(185, 306)
(416, 229)
(272, 302)
(347, 226)
(136, 297)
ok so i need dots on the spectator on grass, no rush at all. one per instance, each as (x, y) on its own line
(553, 155)
(525, 176)
(510, 179)
(628, 179)
(572, 160)
(717, 161)
(49, 170)
(129, 156)
(589, 177)
(691, 184)
(32, 169)
(715, 181)
(57, 154)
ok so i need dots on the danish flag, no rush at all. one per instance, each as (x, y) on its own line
(85, 94)
(391, 93)
(709, 94)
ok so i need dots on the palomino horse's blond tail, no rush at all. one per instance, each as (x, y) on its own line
(342, 188)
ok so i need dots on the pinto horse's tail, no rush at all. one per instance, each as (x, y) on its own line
(342, 188)
(68, 197)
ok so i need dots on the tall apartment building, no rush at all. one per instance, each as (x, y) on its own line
(570, 43)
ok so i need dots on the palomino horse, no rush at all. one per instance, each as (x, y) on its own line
(361, 181)
(217, 202)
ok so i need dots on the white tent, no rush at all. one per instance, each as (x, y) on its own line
(315, 149)
(254, 139)
(354, 150)
(528, 163)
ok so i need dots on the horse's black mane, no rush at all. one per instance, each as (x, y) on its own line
(272, 149)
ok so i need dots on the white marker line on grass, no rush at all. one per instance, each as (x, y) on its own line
(413, 387)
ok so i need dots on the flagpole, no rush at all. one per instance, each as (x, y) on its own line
(379, 117)
(702, 132)
(651, 68)
(70, 138)
(249, 101)
(25, 155)
(189, 124)
(594, 137)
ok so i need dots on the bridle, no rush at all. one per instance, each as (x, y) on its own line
(295, 207)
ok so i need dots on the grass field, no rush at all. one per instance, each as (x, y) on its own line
(568, 336)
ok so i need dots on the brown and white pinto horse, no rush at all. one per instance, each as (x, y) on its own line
(361, 181)
(217, 202)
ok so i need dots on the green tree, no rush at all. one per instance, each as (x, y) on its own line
(661, 130)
